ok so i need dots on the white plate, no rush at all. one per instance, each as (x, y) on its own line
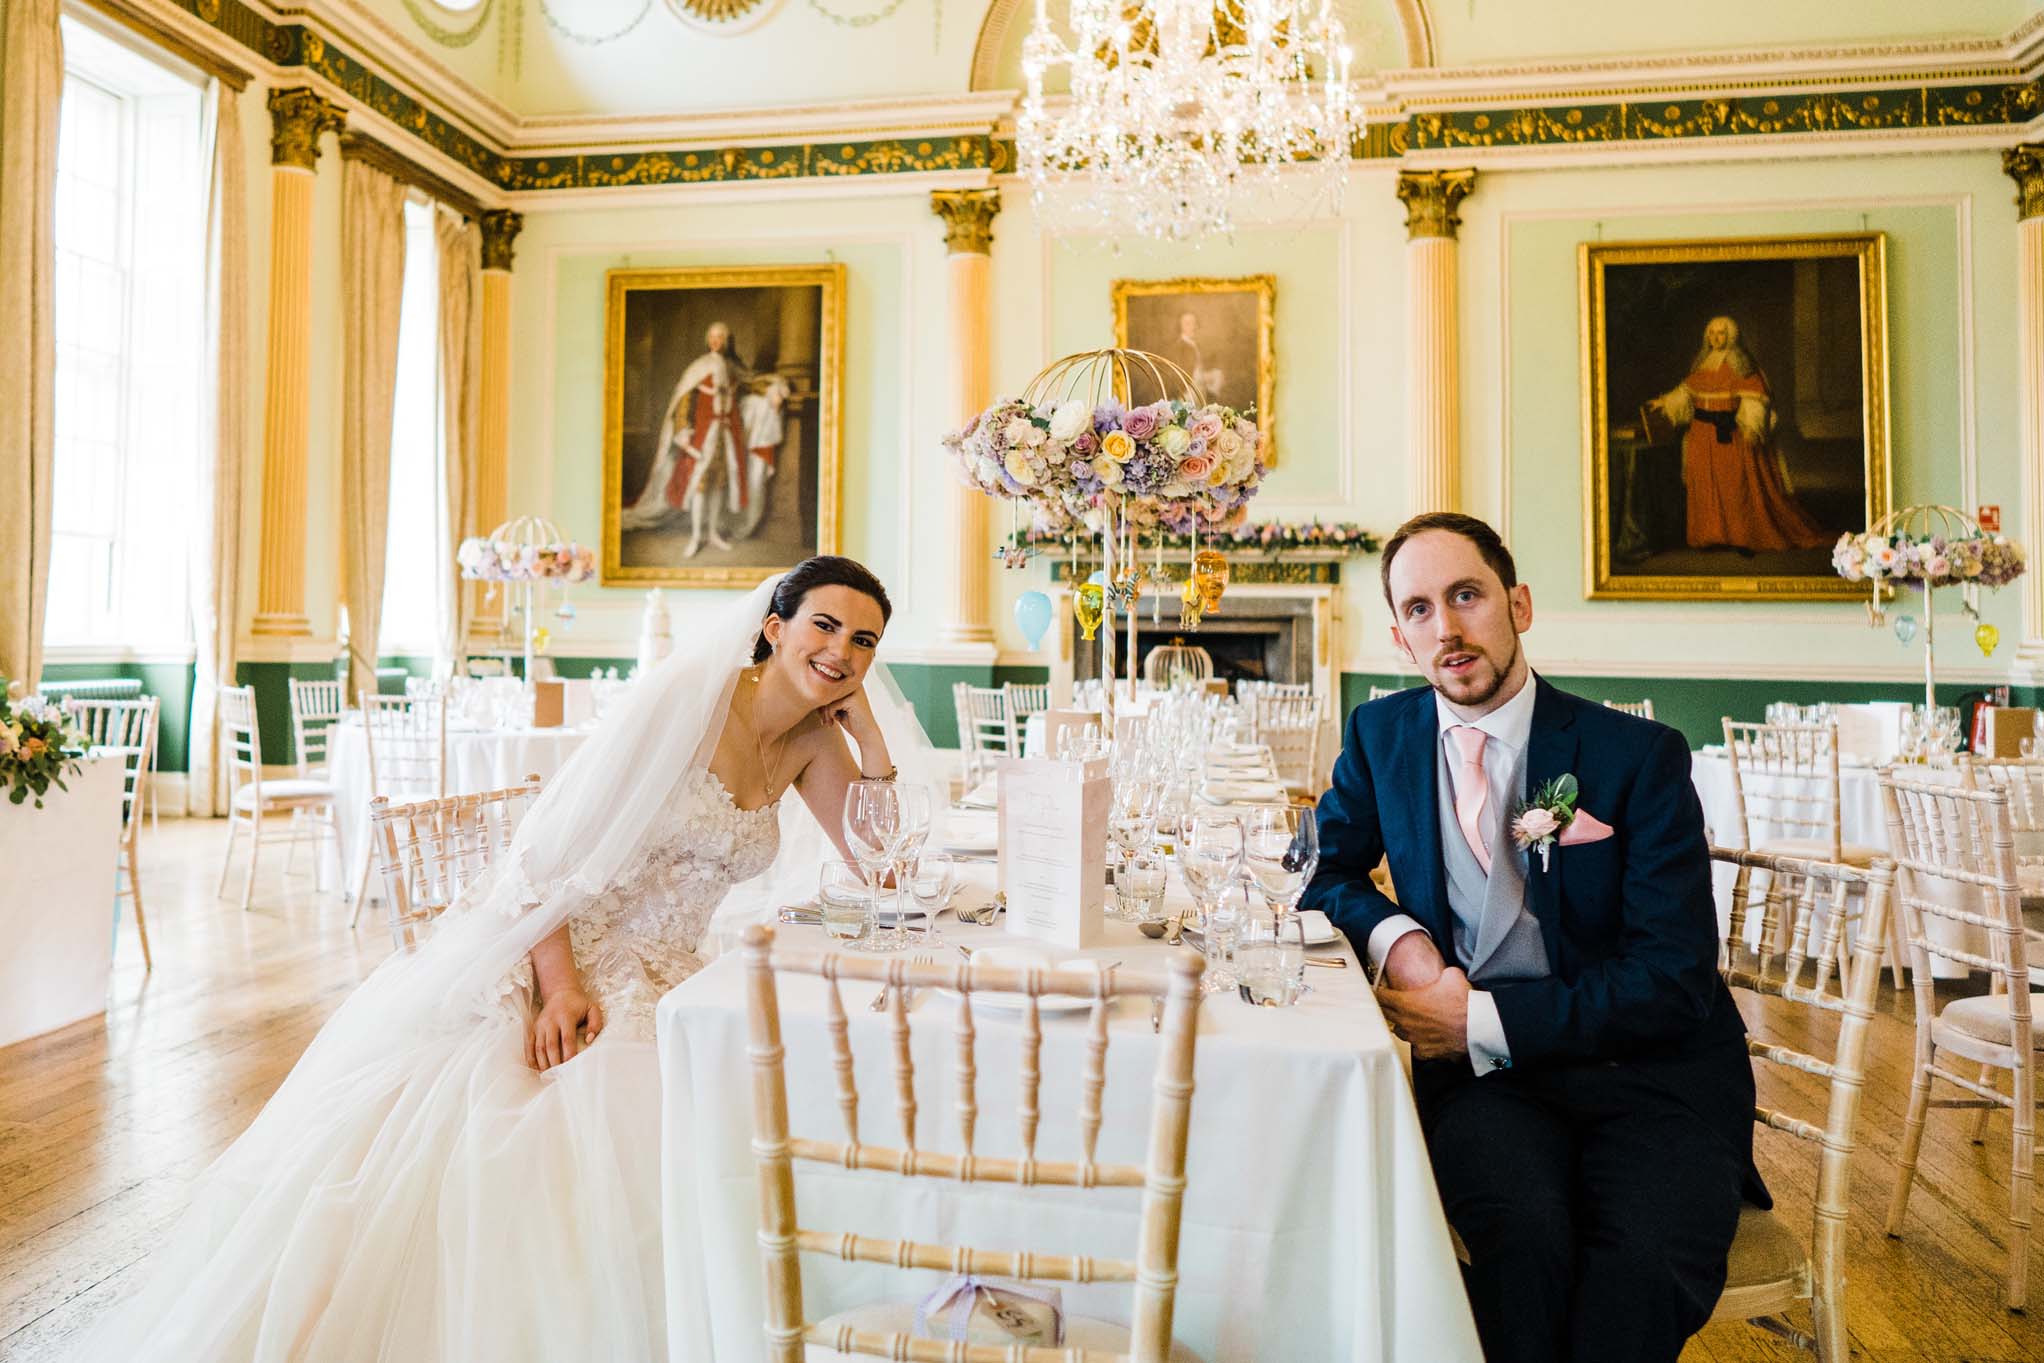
(970, 831)
(1224, 792)
(1021, 958)
(1319, 932)
(1236, 757)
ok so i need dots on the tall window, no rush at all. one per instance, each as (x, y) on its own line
(417, 555)
(130, 324)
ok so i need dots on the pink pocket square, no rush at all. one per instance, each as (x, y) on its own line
(1584, 827)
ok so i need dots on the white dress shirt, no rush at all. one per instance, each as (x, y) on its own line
(1506, 731)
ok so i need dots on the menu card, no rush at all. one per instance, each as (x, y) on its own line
(1053, 843)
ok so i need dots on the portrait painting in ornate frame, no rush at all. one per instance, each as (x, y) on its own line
(1735, 413)
(1219, 331)
(723, 427)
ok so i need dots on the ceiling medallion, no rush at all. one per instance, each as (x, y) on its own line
(1176, 107)
(723, 18)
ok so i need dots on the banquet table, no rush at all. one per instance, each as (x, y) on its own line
(477, 760)
(1312, 1230)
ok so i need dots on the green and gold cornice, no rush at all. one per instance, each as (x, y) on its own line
(1899, 106)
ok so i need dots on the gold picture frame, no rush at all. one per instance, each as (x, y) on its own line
(1240, 313)
(1773, 440)
(738, 440)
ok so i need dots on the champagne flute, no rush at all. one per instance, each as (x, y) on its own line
(912, 831)
(872, 829)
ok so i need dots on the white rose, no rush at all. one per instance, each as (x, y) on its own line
(1032, 435)
(1070, 419)
(1109, 471)
(1241, 464)
(1014, 430)
(1019, 470)
(1225, 445)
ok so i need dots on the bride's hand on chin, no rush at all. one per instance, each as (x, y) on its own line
(853, 714)
(551, 1036)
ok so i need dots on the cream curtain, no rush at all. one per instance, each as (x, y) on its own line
(372, 287)
(460, 244)
(216, 500)
(31, 87)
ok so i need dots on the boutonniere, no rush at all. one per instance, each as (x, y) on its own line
(1540, 820)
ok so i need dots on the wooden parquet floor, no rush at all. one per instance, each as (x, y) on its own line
(103, 1125)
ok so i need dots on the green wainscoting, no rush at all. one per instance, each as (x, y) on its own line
(170, 683)
(1698, 705)
(928, 687)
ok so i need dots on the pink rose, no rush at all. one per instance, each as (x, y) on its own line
(1195, 468)
(1140, 423)
(1205, 426)
(1535, 824)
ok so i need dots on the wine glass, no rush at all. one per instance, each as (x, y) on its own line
(912, 831)
(1280, 849)
(872, 830)
(1210, 859)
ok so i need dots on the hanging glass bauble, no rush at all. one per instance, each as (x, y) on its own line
(1905, 628)
(1987, 636)
(565, 613)
(1089, 603)
(1210, 572)
(1032, 614)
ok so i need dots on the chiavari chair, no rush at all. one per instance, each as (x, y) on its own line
(406, 738)
(1770, 1267)
(1023, 700)
(429, 851)
(256, 800)
(316, 706)
(883, 1330)
(1956, 854)
(1290, 727)
(125, 729)
(1643, 708)
(982, 729)
(1786, 791)
(1380, 692)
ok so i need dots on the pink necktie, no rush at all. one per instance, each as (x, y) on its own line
(1472, 791)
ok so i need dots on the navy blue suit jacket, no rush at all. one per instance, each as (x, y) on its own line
(1629, 922)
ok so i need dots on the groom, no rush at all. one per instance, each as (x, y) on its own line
(1580, 1070)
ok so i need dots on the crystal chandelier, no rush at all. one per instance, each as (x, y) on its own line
(1177, 106)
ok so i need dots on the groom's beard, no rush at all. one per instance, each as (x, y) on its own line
(1481, 690)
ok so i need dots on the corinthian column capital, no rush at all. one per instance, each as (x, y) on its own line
(2025, 165)
(500, 228)
(968, 216)
(298, 116)
(1431, 198)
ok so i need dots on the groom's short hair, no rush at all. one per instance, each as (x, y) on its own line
(1475, 531)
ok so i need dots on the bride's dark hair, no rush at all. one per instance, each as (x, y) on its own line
(824, 570)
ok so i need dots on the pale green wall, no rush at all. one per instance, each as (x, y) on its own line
(1342, 322)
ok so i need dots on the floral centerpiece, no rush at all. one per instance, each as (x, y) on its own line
(1927, 547)
(484, 559)
(1272, 537)
(39, 746)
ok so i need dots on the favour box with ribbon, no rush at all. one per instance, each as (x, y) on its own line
(973, 1310)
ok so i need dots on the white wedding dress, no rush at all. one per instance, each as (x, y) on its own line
(454, 1205)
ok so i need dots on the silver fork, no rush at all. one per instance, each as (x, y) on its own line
(879, 1003)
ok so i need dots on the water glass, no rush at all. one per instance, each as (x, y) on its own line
(1139, 888)
(1280, 849)
(843, 901)
(1271, 958)
(1220, 935)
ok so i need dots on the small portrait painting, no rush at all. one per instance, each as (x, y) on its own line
(722, 427)
(1736, 418)
(1218, 331)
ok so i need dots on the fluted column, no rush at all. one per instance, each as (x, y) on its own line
(2025, 165)
(968, 216)
(1431, 198)
(298, 118)
(500, 228)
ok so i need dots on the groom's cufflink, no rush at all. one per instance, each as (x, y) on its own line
(1499, 1062)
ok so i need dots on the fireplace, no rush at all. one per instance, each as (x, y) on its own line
(1252, 638)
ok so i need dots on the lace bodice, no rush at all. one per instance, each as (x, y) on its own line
(638, 939)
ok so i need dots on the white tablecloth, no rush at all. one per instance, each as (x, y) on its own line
(1312, 1230)
(56, 915)
(477, 760)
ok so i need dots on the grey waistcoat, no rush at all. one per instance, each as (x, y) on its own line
(1497, 939)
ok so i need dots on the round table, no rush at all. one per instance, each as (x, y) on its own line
(477, 760)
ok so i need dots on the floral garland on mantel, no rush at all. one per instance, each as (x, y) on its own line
(1273, 537)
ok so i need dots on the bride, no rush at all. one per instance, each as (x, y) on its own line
(465, 1164)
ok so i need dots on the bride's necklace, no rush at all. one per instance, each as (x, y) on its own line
(758, 746)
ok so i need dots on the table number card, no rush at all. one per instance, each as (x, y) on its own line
(1053, 842)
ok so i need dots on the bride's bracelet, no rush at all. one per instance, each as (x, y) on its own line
(887, 775)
